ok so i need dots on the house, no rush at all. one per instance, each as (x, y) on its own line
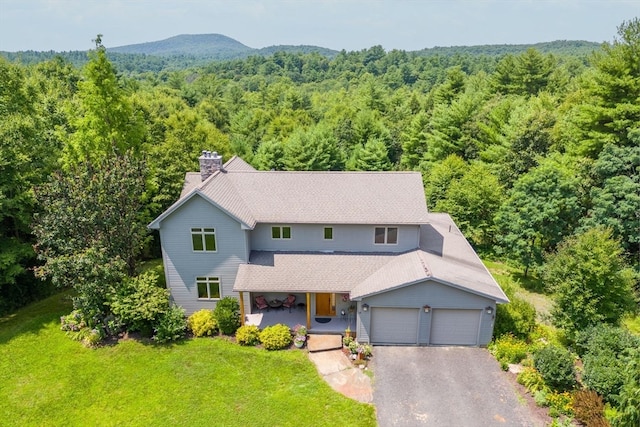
(352, 247)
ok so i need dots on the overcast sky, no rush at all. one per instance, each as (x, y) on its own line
(63, 25)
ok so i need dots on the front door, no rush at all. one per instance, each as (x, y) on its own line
(325, 304)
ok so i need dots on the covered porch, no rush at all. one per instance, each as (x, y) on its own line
(326, 313)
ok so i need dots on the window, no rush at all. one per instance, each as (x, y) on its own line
(208, 287)
(386, 236)
(280, 232)
(328, 233)
(203, 239)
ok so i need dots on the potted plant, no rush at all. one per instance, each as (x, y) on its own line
(300, 336)
(347, 332)
(299, 340)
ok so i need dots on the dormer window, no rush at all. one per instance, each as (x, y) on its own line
(386, 236)
(281, 232)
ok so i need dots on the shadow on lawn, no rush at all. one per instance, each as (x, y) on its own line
(530, 283)
(34, 317)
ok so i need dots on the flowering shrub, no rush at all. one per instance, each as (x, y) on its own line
(202, 323)
(248, 335)
(560, 403)
(72, 322)
(275, 337)
(509, 349)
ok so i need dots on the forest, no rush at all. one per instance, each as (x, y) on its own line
(535, 155)
(523, 150)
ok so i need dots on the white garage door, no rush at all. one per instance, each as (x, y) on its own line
(455, 327)
(394, 325)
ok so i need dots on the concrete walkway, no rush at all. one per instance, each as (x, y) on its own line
(337, 370)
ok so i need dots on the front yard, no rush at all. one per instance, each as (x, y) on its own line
(48, 379)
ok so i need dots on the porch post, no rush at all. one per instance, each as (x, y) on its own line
(242, 308)
(308, 311)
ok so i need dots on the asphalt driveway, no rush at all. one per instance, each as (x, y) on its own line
(445, 386)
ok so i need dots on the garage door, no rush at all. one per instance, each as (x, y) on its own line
(455, 327)
(394, 325)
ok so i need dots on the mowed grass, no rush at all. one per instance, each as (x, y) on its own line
(48, 379)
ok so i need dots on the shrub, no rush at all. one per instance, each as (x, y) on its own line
(72, 322)
(560, 403)
(275, 337)
(555, 364)
(509, 349)
(228, 316)
(139, 302)
(605, 337)
(517, 318)
(589, 408)
(202, 323)
(248, 335)
(171, 326)
(531, 379)
(629, 399)
(603, 373)
(605, 349)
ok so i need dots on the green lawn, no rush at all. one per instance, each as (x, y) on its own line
(47, 379)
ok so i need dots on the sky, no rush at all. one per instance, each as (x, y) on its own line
(63, 25)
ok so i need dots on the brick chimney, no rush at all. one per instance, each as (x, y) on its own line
(209, 163)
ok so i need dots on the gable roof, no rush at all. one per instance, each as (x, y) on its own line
(445, 256)
(250, 196)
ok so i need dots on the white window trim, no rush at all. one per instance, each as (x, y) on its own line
(208, 280)
(386, 233)
(202, 233)
(282, 227)
(324, 236)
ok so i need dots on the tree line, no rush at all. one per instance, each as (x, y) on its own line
(524, 150)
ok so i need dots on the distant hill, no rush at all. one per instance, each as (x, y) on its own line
(212, 47)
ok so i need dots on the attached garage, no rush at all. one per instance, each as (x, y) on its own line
(394, 325)
(455, 327)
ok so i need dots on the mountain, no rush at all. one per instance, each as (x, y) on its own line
(199, 45)
(211, 47)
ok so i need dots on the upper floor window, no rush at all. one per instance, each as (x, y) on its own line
(386, 236)
(208, 287)
(203, 239)
(280, 232)
(328, 233)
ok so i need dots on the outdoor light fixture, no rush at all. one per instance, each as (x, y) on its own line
(427, 308)
(489, 309)
(365, 307)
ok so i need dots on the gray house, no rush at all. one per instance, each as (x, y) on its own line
(354, 246)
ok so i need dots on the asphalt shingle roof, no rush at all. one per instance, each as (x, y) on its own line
(444, 256)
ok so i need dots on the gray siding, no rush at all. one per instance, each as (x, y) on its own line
(346, 238)
(435, 295)
(183, 265)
